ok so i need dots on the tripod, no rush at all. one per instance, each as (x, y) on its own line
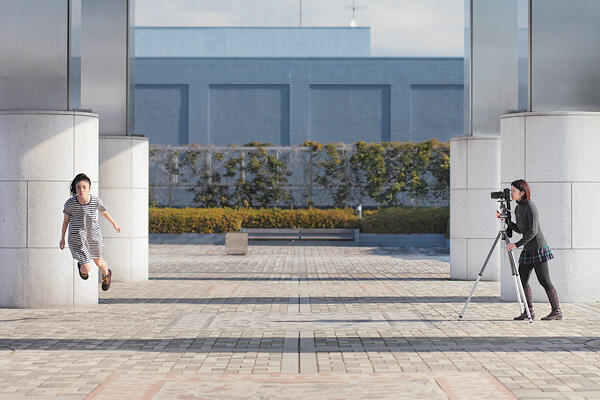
(515, 273)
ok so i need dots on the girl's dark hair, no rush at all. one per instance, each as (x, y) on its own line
(523, 186)
(79, 178)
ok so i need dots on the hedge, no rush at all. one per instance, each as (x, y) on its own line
(220, 220)
(407, 220)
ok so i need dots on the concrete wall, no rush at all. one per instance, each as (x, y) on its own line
(252, 42)
(290, 100)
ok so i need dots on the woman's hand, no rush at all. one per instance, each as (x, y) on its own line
(117, 228)
(498, 214)
(511, 246)
(62, 243)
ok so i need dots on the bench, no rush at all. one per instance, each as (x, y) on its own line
(326, 234)
(301, 234)
(273, 234)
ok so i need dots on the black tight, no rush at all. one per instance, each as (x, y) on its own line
(541, 271)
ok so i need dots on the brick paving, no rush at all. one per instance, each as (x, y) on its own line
(289, 321)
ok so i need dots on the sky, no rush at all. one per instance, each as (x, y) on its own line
(399, 28)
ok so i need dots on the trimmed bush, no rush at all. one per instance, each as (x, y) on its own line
(220, 220)
(193, 220)
(406, 220)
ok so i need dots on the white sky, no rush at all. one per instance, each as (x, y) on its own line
(398, 27)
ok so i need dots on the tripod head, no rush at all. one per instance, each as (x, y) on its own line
(504, 200)
(505, 215)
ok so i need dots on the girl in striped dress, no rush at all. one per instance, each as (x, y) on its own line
(85, 237)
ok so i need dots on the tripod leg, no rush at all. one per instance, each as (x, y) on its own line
(518, 292)
(480, 275)
(518, 285)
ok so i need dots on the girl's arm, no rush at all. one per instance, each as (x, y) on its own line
(513, 226)
(106, 215)
(64, 230)
(532, 228)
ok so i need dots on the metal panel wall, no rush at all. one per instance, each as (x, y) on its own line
(33, 54)
(240, 114)
(163, 113)
(349, 113)
(493, 64)
(524, 65)
(74, 54)
(104, 72)
(467, 70)
(435, 112)
(565, 55)
(130, 67)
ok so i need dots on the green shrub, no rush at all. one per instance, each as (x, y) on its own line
(220, 220)
(193, 220)
(406, 220)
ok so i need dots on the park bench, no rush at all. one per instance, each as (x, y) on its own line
(327, 234)
(300, 234)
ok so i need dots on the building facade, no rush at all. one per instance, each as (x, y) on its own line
(204, 93)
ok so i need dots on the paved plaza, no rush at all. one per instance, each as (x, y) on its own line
(291, 321)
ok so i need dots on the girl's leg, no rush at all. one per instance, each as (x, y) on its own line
(543, 274)
(106, 273)
(102, 265)
(85, 268)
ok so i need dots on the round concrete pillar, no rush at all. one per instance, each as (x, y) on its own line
(474, 174)
(556, 152)
(41, 152)
(124, 191)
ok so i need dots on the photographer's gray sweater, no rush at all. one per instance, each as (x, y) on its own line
(528, 225)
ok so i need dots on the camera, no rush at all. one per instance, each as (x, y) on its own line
(503, 197)
(504, 194)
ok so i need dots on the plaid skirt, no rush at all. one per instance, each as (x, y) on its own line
(536, 256)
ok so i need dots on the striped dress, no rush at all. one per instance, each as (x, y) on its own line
(85, 237)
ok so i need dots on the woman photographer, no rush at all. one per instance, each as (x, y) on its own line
(536, 253)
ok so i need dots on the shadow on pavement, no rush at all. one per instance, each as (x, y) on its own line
(220, 344)
(293, 279)
(302, 300)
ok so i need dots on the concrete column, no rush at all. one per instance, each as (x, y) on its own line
(556, 153)
(41, 152)
(124, 191)
(474, 174)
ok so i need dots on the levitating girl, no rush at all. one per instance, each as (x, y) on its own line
(85, 237)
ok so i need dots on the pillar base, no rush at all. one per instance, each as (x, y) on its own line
(556, 153)
(474, 174)
(42, 151)
(124, 191)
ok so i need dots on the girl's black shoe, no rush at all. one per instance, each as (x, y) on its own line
(524, 316)
(81, 274)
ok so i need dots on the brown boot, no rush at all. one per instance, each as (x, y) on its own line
(556, 313)
(106, 280)
(529, 299)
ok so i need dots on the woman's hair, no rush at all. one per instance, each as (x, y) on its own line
(523, 186)
(79, 178)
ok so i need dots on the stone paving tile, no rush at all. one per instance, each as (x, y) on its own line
(290, 320)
